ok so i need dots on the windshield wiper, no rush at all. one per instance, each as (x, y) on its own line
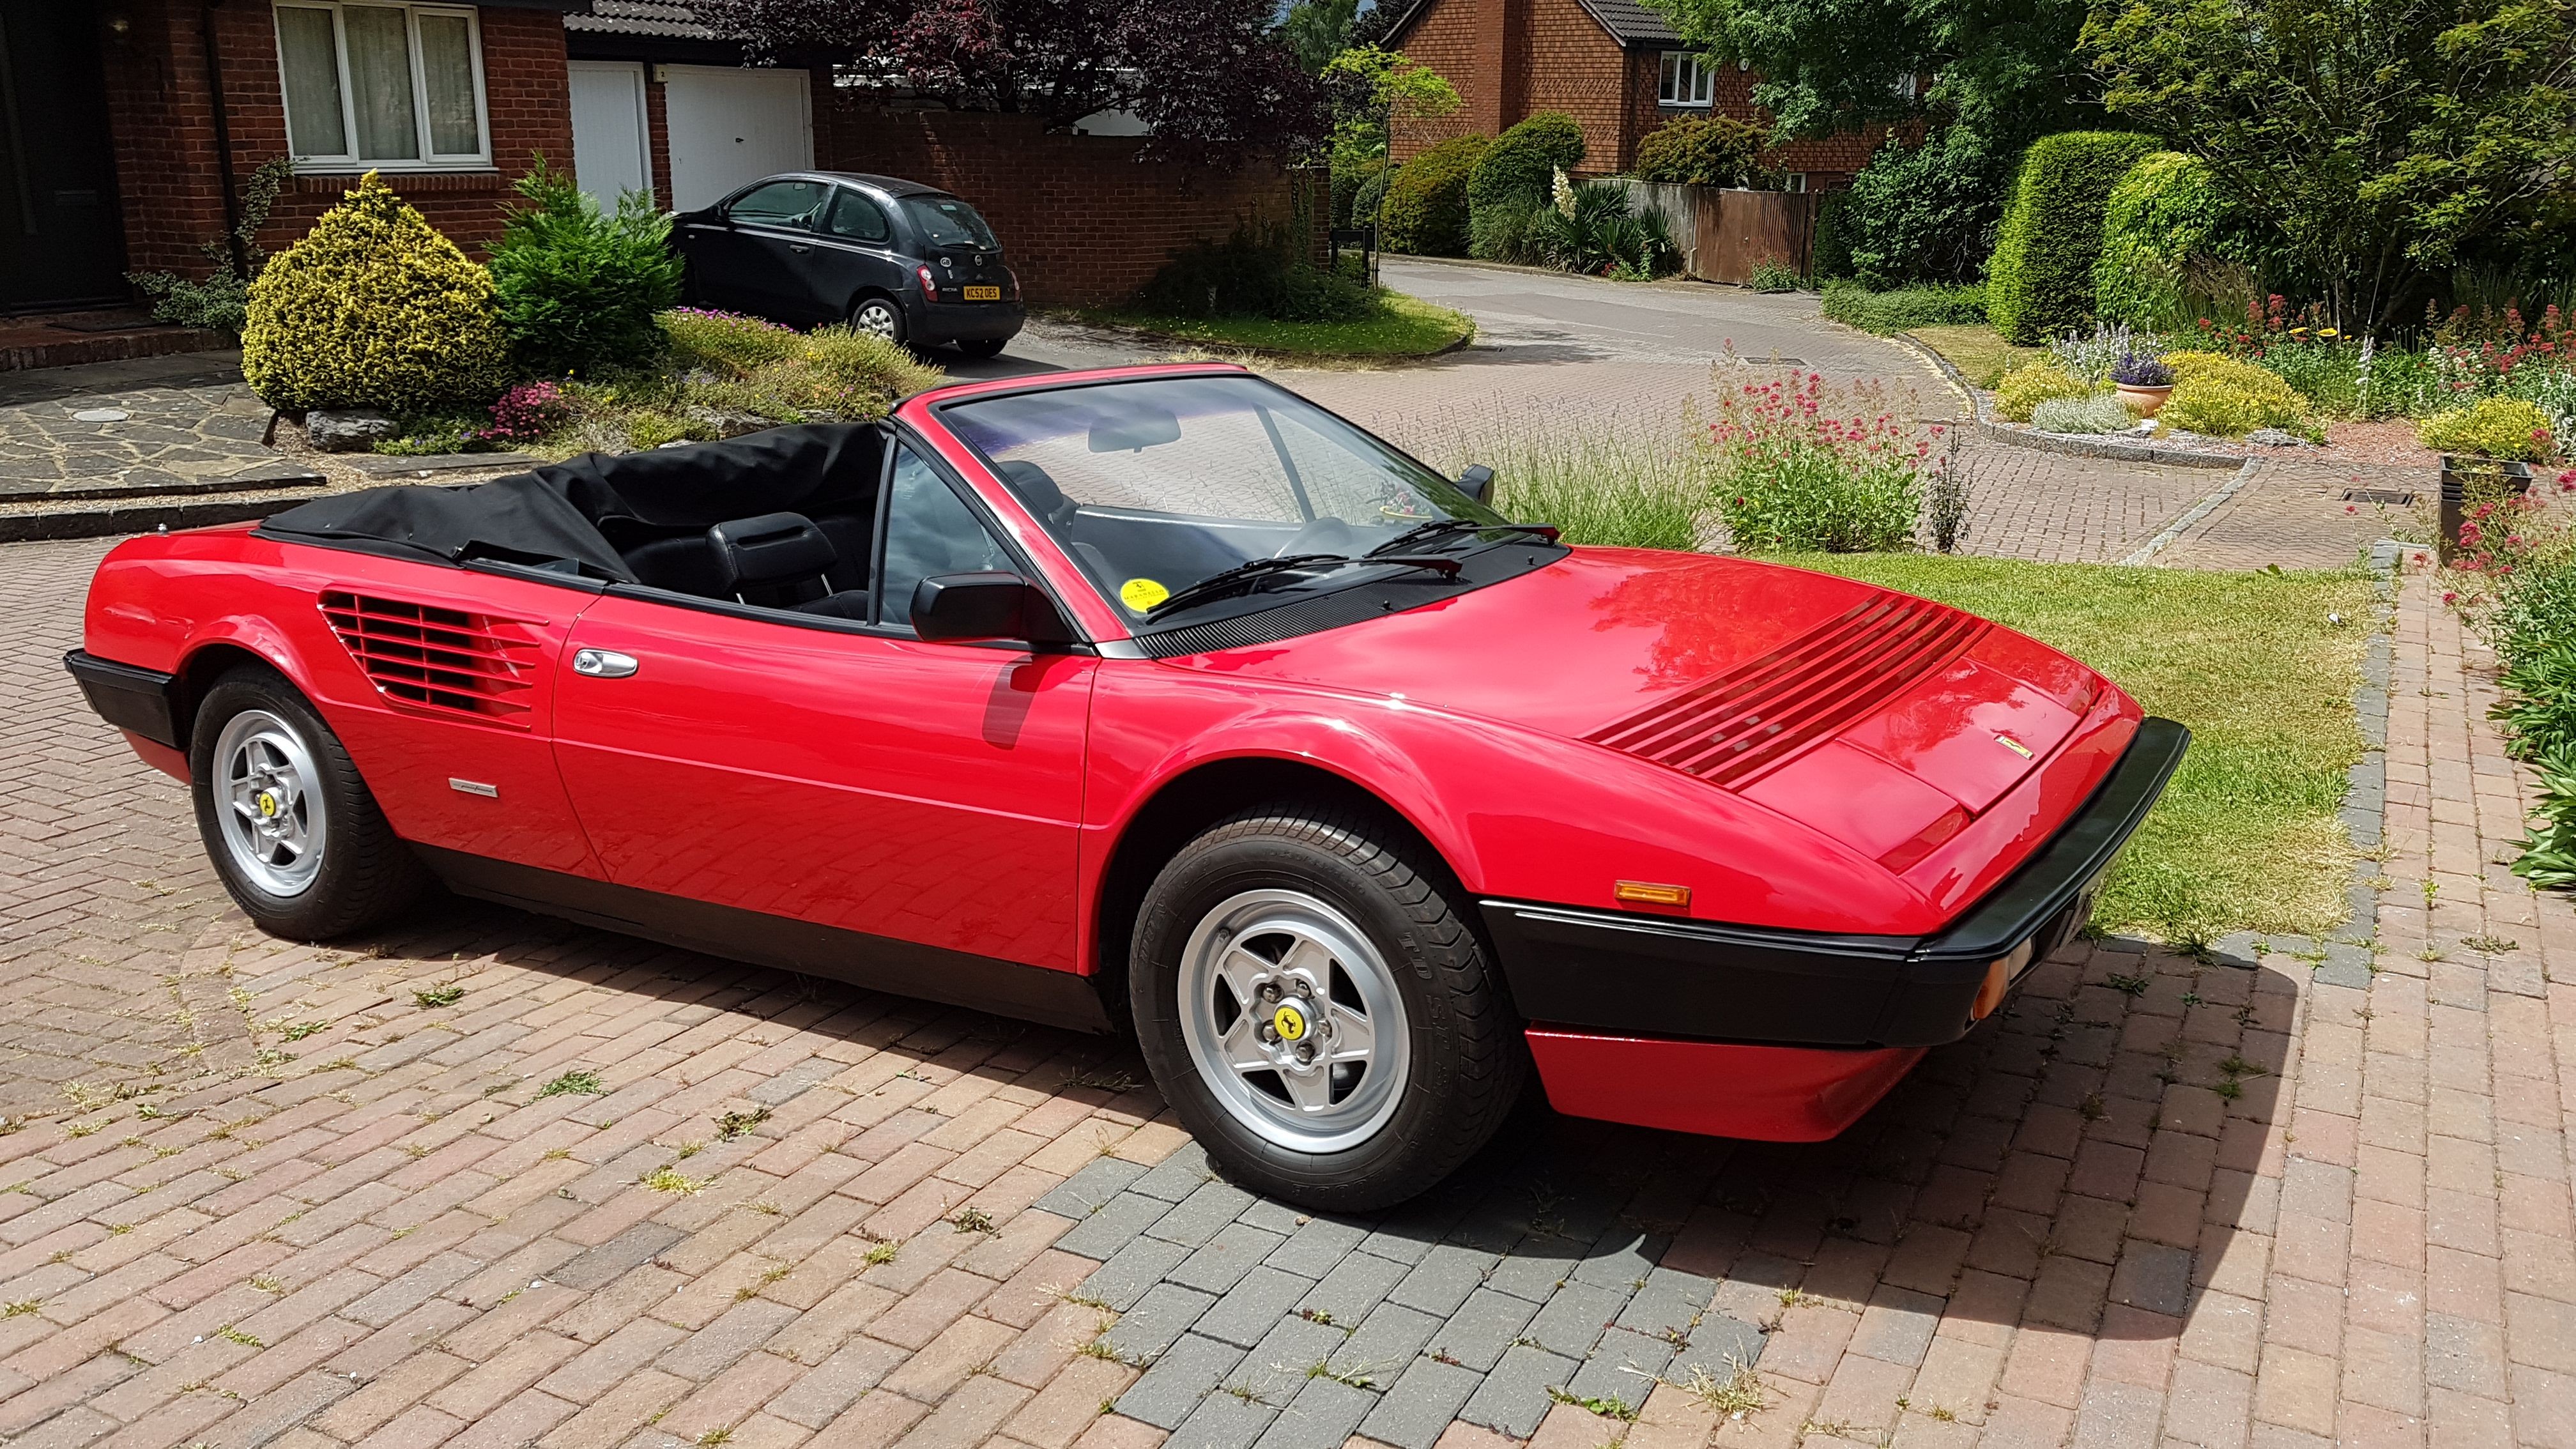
(1425, 532)
(1244, 575)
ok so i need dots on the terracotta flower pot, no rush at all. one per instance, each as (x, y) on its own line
(2144, 401)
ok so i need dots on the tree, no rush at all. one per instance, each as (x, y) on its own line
(2386, 140)
(1318, 30)
(1209, 77)
(1374, 89)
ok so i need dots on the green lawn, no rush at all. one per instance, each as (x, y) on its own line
(2247, 837)
(1980, 354)
(1403, 327)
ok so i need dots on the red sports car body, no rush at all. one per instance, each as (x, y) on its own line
(1159, 694)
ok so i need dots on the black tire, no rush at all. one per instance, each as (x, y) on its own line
(883, 316)
(983, 346)
(1467, 1060)
(366, 874)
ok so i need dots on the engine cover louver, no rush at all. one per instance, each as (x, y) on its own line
(442, 659)
(1738, 727)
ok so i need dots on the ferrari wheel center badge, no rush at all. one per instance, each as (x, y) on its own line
(268, 804)
(1289, 1022)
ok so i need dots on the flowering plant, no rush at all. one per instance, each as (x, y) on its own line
(2133, 370)
(1803, 466)
(527, 412)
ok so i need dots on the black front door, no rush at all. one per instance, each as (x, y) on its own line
(60, 243)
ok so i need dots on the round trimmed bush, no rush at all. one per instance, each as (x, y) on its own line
(2027, 388)
(1521, 165)
(2224, 398)
(1710, 151)
(2039, 284)
(1426, 203)
(374, 309)
(2491, 427)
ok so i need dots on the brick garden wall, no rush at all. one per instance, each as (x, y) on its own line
(161, 113)
(1083, 222)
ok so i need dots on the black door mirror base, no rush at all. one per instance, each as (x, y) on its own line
(1477, 482)
(967, 608)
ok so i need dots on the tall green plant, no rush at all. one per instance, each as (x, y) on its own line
(578, 287)
(2040, 283)
(1516, 173)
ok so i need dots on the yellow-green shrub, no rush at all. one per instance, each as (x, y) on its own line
(2223, 398)
(373, 308)
(2492, 427)
(2027, 388)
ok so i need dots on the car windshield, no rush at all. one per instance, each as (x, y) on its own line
(944, 221)
(1159, 484)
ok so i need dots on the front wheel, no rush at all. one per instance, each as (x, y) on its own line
(879, 316)
(293, 830)
(1317, 1010)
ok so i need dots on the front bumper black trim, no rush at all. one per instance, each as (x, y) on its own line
(145, 701)
(1650, 976)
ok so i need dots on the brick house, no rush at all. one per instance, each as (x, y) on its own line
(1615, 66)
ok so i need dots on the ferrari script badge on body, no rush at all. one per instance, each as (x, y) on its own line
(2014, 745)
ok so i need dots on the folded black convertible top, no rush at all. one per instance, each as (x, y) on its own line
(556, 513)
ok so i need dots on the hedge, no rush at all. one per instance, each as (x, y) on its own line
(1426, 203)
(2039, 284)
(1930, 305)
(1522, 163)
(1711, 151)
(2165, 212)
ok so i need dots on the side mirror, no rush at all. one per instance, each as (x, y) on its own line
(1477, 482)
(960, 608)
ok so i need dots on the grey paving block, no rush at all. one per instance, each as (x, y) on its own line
(1443, 1279)
(1278, 1217)
(1353, 1288)
(1482, 1328)
(792, 1083)
(1223, 1421)
(1170, 1391)
(1202, 1215)
(600, 1266)
(1620, 1258)
(1225, 1258)
(1412, 1414)
(1534, 1269)
(2154, 1278)
(1100, 1179)
(1313, 1249)
(1323, 1416)
(1668, 1303)
(1177, 1176)
(1284, 1359)
(1157, 1321)
(1256, 1303)
(1102, 1233)
(1624, 1367)
(1384, 1344)
(1513, 1398)
(1131, 1271)
(1720, 1346)
(1573, 1320)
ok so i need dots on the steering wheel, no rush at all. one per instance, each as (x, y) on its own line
(1322, 535)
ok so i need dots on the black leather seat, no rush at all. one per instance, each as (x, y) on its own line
(1039, 491)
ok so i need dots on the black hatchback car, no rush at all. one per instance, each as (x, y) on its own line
(905, 261)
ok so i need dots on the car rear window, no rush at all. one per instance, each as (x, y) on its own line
(944, 221)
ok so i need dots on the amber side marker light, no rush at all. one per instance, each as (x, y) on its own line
(1999, 979)
(1642, 893)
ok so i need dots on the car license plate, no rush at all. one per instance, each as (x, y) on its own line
(983, 294)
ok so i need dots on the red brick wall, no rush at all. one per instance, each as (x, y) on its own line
(1574, 66)
(160, 111)
(1082, 221)
(1459, 41)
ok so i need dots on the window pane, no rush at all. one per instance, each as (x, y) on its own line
(447, 79)
(380, 82)
(780, 203)
(929, 531)
(1666, 90)
(312, 66)
(856, 217)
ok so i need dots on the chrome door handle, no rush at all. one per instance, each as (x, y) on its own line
(799, 247)
(603, 663)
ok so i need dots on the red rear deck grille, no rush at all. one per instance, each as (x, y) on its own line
(1736, 728)
(443, 659)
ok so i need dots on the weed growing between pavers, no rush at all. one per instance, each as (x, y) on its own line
(2249, 836)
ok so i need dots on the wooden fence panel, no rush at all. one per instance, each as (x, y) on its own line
(1724, 233)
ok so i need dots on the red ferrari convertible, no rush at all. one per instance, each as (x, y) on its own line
(1158, 695)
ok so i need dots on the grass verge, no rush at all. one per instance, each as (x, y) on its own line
(2248, 835)
(1926, 305)
(1977, 350)
(1402, 327)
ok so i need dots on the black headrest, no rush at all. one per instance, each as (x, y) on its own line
(1036, 489)
(773, 548)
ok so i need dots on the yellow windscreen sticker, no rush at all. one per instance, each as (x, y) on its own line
(1142, 594)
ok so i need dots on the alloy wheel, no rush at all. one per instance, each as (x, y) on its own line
(1294, 1021)
(269, 799)
(879, 318)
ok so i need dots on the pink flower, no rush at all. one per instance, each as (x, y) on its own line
(2450, 596)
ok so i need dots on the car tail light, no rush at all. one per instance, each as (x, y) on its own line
(1010, 284)
(929, 283)
(442, 659)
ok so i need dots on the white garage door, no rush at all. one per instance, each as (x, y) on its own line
(611, 154)
(730, 126)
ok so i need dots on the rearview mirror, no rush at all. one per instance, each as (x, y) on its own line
(962, 608)
(1135, 428)
(1476, 482)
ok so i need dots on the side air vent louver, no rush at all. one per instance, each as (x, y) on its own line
(442, 659)
(1738, 727)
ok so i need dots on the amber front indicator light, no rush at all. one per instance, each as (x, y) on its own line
(1643, 893)
(1999, 979)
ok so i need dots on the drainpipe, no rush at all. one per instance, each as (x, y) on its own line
(223, 141)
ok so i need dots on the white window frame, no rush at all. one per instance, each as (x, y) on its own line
(1677, 67)
(349, 161)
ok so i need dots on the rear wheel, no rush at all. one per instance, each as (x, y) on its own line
(1317, 1010)
(879, 315)
(292, 829)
